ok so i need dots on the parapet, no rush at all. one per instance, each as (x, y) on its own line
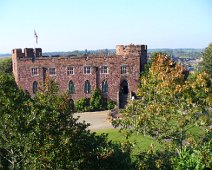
(38, 52)
(130, 49)
(18, 52)
(28, 53)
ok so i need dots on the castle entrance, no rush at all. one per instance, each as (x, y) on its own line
(123, 94)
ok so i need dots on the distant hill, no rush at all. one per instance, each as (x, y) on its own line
(77, 52)
(175, 53)
(179, 53)
(187, 56)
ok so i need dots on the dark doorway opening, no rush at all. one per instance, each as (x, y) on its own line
(123, 94)
(124, 87)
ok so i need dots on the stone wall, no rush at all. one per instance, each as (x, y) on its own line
(23, 64)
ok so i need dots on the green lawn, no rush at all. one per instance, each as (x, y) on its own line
(142, 143)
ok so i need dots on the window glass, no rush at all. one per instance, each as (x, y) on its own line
(71, 87)
(104, 87)
(52, 71)
(87, 88)
(104, 70)
(34, 87)
(70, 70)
(123, 69)
(87, 70)
(35, 71)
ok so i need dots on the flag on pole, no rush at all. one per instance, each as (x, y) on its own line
(36, 37)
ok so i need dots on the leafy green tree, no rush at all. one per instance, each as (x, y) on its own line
(170, 104)
(207, 60)
(14, 110)
(41, 133)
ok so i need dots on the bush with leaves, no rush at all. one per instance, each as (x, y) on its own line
(96, 102)
(154, 160)
(199, 158)
(82, 105)
(110, 104)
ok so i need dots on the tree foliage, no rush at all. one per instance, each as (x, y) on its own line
(82, 105)
(197, 157)
(96, 102)
(170, 104)
(207, 60)
(41, 133)
(14, 109)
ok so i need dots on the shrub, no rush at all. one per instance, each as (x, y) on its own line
(110, 104)
(96, 102)
(82, 105)
(194, 158)
(154, 160)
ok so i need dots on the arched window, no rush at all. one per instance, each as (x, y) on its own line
(34, 87)
(71, 87)
(104, 87)
(87, 88)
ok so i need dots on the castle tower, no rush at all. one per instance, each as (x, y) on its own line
(133, 50)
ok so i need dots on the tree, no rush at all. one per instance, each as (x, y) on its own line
(207, 60)
(14, 109)
(170, 104)
(41, 133)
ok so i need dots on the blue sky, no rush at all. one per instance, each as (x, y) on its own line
(66, 25)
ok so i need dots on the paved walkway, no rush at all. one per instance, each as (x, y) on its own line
(98, 120)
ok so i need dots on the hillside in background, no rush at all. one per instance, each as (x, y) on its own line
(5, 55)
(189, 57)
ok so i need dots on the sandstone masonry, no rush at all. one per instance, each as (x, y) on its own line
(115, 75)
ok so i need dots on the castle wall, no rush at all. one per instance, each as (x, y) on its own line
(24, 78)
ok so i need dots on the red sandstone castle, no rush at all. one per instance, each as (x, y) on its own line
(115, 75)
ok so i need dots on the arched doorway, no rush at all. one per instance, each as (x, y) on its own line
(123, 94)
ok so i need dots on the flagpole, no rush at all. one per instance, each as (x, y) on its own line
(36, 37)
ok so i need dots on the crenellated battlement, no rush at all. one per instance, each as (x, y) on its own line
(130, 49)
(27, 53)
(117, 75)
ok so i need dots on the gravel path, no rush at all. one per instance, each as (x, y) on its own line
(97, 120)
